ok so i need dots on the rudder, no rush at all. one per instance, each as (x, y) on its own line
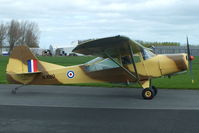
(18, 61)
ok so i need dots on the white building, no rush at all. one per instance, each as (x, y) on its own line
(4, 50)
(37, 51)
(64, 51)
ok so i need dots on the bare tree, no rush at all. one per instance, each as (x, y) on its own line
(23, 33)
(3, 32)
(32, 35)
(14, 34)
(23, 28)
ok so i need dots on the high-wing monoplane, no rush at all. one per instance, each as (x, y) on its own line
(119, 60)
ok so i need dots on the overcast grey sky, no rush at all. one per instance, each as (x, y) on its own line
(64, 21)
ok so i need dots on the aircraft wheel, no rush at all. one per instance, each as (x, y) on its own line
(155, 90)
(148, 93)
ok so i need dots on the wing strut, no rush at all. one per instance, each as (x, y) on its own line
(133, 62)
(126, 70)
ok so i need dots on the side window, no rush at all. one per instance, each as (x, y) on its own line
(137, 58)
(127, 59)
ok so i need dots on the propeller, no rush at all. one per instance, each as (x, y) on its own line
(190, 58)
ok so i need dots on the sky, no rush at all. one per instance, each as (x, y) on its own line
(64, 21)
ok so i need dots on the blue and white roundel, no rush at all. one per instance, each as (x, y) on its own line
(70, 74)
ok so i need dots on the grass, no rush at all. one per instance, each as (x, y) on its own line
(182, 81)
(3, 63)
(66, 60)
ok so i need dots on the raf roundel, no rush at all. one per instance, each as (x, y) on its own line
(70, 74)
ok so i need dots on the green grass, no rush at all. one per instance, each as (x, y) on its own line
(182, 81)
(66, 60)
(3, 63)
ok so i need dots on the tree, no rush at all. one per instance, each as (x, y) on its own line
(29, 34)
(3, 33)
(32, 35)
(23, 27)
(14, 34)
(150, 44)
(23, 33)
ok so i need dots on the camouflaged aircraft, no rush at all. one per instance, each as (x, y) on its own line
(119, 60)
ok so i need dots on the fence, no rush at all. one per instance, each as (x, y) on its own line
(176, 49)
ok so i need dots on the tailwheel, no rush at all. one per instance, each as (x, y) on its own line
(14, 91)
(148, 93)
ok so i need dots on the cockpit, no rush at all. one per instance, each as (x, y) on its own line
(100, 63)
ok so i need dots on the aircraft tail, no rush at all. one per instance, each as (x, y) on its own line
(22, 61)
(23, 67)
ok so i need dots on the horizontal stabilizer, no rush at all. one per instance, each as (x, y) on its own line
(28, 73)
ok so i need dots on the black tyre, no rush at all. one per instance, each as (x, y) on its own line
(148, 93)
(155, 90)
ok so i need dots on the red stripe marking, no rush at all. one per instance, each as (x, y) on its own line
(35, 65)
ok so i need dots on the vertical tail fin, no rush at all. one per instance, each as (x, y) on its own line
(18, 61)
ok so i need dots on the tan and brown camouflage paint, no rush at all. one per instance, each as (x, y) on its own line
(157, 66)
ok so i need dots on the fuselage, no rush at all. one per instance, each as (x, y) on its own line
(156, 66)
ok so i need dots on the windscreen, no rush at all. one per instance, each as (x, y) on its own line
(147, 54)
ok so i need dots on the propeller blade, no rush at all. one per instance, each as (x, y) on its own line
(190, 68)
(188, 49)
(190, 58)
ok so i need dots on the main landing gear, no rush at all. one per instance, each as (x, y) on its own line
(149, 93)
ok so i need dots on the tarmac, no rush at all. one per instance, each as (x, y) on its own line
(74, 109)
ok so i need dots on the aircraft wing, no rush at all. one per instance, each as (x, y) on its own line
(114, 46)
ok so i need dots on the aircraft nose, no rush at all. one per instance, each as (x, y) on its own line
(173, 63)
(186, 60)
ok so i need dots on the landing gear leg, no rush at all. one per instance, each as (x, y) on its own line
(149, 93)
(14, 91)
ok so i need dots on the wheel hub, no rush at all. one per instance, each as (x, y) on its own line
(148, 94)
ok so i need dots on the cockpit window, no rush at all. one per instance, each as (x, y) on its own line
(147, 54)
(98, 59)
(100, 64)
(127, 59)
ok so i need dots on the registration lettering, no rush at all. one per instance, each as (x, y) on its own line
(48, 76)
